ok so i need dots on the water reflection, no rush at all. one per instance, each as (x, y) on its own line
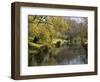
(71, 55)
(63, 55)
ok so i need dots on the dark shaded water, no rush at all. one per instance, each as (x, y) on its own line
(63, 55)
(71, 55)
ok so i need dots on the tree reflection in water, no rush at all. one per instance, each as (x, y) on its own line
(71, 55)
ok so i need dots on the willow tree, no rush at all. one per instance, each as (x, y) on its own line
(47, 28)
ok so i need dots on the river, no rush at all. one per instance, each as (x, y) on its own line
(71, 55)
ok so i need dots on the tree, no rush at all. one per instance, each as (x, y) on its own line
(47, 28)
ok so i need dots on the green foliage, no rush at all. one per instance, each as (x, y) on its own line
(52, 27)
(33, 46)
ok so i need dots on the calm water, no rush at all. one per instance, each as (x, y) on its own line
(65, 55)
(71, 55)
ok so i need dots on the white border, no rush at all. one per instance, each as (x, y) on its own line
(25, 70)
